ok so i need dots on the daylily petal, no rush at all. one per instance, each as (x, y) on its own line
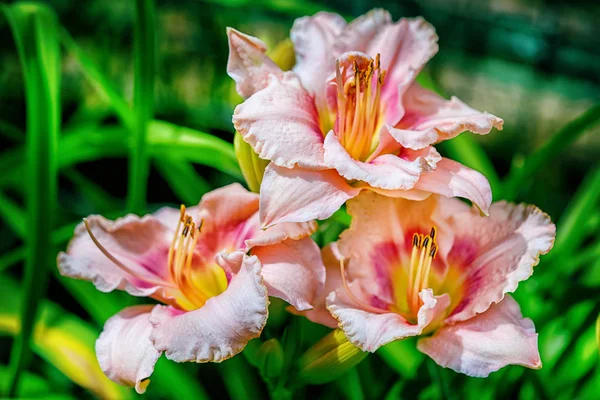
(510, 242)
(313, 39)
(248, 65)
(222, 327)
(140, 244)
(293, 271)
(124, 350)
(319, 313)
(405, 48)
(360, 32)
(295, 195)
(452, 179)
(227, 206)
(487, 342)
(387, 171)
(429, 119)
(369, 331)
(281, 124)
(281, 232)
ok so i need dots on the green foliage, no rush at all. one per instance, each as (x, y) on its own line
(34, 28)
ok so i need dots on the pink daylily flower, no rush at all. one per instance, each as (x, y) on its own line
(212, 267)
(350, 117)
(436, 268)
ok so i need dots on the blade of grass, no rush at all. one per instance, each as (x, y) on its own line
(34, 28)
(187, 185)
(569, 234)
(143, 105)
(550, 150)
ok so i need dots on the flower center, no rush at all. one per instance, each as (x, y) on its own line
(197, 279)
(423, 252)
(359, 115)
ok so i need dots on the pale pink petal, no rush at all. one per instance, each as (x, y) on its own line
(405, 48)
(319, 313)
(248, 65)
(140, 244)
(297, 195)
(124, 350)
(487, 342)
(227, 206)
(293, 271)
(369, 331)
(222, 327)
(452, 179)
(360, 32)
(229, 217)
(281, 232)
(281, 124)
(314, 39)
(507, 245)
(387, 171)
(429, 119)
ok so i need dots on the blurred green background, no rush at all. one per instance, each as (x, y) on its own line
(81, 128)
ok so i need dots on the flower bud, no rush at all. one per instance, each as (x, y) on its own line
(252, 166)
(270, 359)
(283, 55)
(328, 359)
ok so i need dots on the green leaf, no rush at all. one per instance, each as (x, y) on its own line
(143, 104)
(402, 356)
(193, 145)
(569, 232)
(165, 139)
(33, 386)
(34, 29)
(61, 339)
(187, 185)
(550, 150)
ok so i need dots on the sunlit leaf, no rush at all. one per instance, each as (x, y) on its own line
(61, 339)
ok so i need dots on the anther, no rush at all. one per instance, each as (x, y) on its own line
(415, 240)
(426, 241)
(433, 251)
(432, 234)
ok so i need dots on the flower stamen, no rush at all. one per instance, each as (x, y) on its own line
(118, 263)
(423, 252)
(359, 108)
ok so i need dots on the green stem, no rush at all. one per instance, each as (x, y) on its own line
(143, 101)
